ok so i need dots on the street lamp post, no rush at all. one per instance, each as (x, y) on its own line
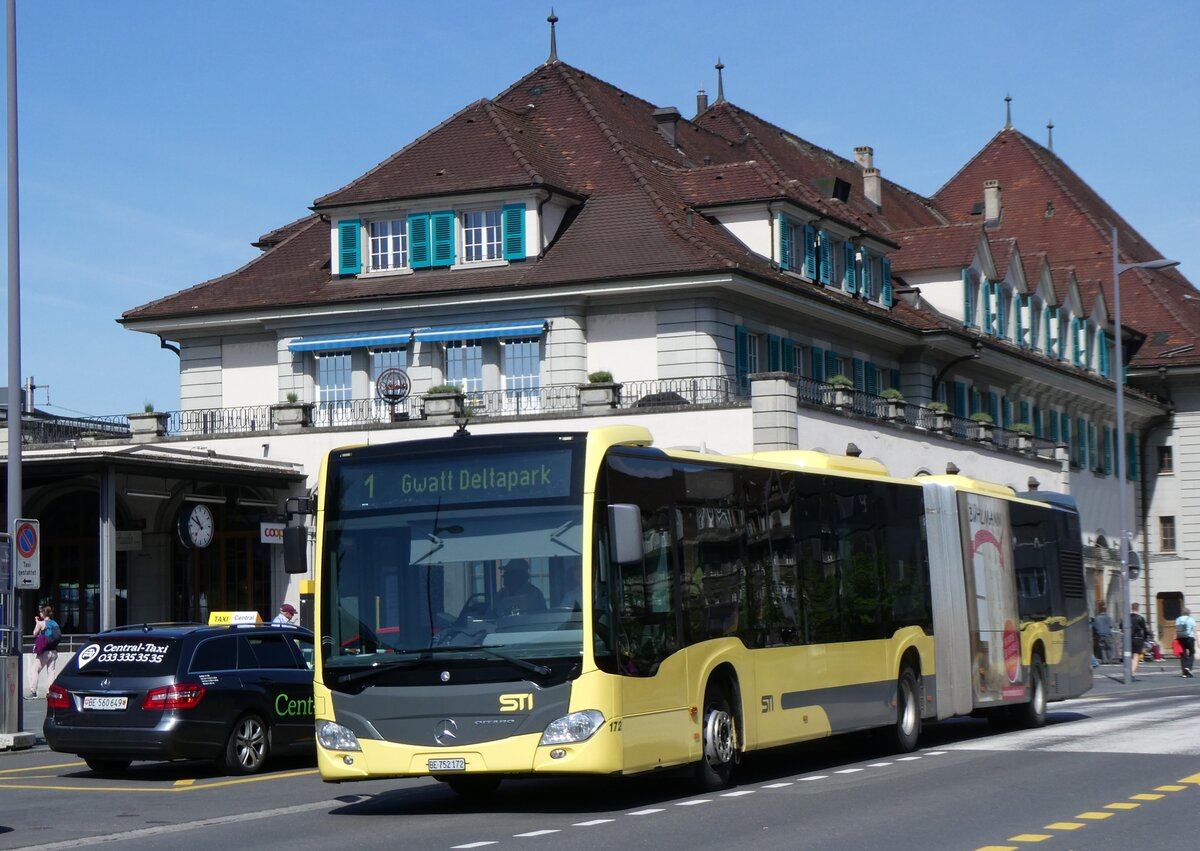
(1122, 446)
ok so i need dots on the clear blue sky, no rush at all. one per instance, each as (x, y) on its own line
(159, 139)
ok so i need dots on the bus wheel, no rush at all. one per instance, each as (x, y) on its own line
(903, 734)
(477, 786)
(720, 742)
(1033, 713)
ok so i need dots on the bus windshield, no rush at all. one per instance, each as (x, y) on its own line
(441, 554)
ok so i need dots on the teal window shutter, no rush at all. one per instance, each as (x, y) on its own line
(349, 253)
(825, 260)
(514, 232)
(1081, 435)
(986, 291)
(1021, 303)
(831, 364)
(1049, 342)
(1076, 349)
(976, 401)
(785, 243)
(810, 252)
(851, 279)
(441, 238)
(885, 295)
(865, 287)
(960, 399)
(1093, 448)
(1025, 412)
(872, 379)
(817, 362)
(1131, 456)
(860, 374)
(1105, 365)
(1054, 426)
(1001, 313)
(994, 408)
(1108, 451)
(1062, 337)
(418, 241)
(774, 353)
(741, 345)
(789, 356)
(894, 379)
(968, 301)
(1039, 430)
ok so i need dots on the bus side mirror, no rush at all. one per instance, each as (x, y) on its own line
(625, 533)
(295, 549)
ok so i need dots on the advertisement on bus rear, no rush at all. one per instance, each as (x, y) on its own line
(991, 586)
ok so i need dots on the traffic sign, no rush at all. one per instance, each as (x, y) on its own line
(27, 554)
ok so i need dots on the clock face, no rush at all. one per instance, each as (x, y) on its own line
(196, 526)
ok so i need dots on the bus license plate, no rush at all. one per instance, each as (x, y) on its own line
(94, 702)
(447, 765)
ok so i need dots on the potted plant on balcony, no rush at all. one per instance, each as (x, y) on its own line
(443, 401)
(843, 390)
(148, 424)
(291, 414)
(1024, 436)
(984, 428)
(600, 391)
(942, 419)
(895, 404)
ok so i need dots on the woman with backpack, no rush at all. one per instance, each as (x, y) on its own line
(1137, 637)
(46, 635)
(1185, 634)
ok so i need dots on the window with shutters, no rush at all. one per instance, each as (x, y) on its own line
(1166, 534)
(389, 244)
(482, 236)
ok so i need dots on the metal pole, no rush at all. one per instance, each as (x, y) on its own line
(1122, 489)
(14, 332)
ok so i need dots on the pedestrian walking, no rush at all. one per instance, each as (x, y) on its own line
(1102, 634)
(286, 612)
(46, 635)
(1185, 634)
(1138, 631)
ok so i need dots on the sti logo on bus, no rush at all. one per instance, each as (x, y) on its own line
(516, 702)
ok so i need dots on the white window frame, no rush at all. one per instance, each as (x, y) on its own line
(521, 373)
(376, 248)
(464, 365)
(485, 238)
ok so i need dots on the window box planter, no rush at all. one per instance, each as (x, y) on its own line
(601, 394)
(940, 419)
(147, 425)
(443, 404)
(292, 415)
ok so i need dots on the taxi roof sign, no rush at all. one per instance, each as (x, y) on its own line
(227, 618)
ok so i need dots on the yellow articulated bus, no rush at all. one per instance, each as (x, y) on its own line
(584, 603)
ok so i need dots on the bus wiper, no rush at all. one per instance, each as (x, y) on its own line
(523, 664)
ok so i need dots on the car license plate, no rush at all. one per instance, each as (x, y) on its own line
(94, 702)
(447, 765)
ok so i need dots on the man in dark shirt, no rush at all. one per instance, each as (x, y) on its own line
(517, 595)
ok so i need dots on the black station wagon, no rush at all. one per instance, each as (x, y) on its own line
(234, 694)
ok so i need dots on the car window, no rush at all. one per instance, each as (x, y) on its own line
(304, 644)
(128, 655)
(270, 651)
(216, 654)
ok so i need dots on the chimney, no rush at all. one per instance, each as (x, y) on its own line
(991, 202)
(873, 186)
(864, 156)
(668, 123)
(701, 101)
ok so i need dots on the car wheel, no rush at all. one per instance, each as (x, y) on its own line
(248, 747)
(106, 767)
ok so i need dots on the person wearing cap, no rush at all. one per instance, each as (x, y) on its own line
(517, 595)
(286, 612)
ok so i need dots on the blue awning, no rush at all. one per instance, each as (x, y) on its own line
(482, 331)
(350, 341)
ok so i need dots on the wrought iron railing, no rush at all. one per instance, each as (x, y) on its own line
(660, 394)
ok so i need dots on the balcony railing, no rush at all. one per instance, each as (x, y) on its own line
(661, 394)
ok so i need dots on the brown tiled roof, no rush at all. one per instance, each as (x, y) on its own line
(1048, 208)
(939, 247)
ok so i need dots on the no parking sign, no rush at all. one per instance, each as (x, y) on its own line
(27, 553)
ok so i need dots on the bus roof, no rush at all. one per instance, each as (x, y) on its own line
(813, 460)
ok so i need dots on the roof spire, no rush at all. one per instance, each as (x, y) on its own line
(1007, 111)
(553, 19)
(720, 66)
(1050, 135)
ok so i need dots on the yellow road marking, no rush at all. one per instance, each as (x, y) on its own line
(1170, 787)
(1094, 816)
(1146, 796)
(1195, 778)
(41, 767)
(184, 785)
(1030, 837)
(1065, 825)
(1121, 805)
(998, 848)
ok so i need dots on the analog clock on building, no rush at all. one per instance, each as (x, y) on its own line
(196, 526)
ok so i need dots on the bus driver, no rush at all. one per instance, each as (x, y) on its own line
(517, 595)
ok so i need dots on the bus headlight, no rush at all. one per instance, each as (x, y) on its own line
(576, 727)
(335, 737)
